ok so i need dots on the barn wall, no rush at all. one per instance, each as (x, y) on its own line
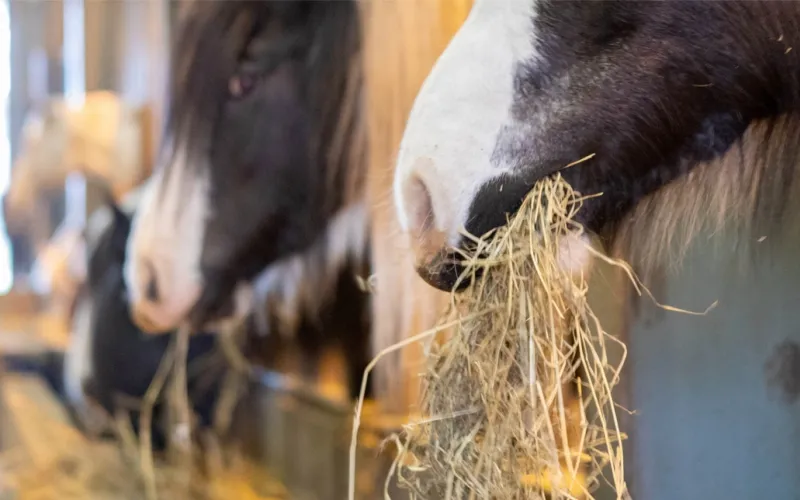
(125, 49)
(403, 38)
(715, 397)
(36, 35)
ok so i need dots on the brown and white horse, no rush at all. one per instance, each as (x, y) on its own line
(102, 138)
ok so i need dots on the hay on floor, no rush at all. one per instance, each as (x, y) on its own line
(52, 460)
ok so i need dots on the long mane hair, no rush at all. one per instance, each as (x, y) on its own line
(210, 41)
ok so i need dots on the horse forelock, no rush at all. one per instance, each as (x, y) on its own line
(332, 82)
(211, 38)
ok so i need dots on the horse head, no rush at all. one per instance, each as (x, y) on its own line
(647, 90)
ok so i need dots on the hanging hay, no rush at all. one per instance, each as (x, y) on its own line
(497, 393)
(518, 402)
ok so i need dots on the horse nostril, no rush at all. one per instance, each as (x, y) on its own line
(445, 272)
(419, 206)
(426, 238)
(151, 292)
(151, 287)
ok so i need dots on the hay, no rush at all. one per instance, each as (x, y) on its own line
(518, 402)
(98, 471)
(497, 394)
(76, 467)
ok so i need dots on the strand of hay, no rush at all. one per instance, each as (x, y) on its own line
(180, 395)
(518, 402)
(146, 420)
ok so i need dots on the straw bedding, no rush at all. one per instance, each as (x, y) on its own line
(56, 462)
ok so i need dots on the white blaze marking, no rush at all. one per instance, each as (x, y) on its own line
(78, 362)
(166, 239)
(79, 369)
(461, 108)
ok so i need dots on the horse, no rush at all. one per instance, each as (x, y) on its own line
(688, 107)
(262, 170)
(111, 362)
(103, 138)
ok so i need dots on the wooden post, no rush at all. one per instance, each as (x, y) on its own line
(402, 40)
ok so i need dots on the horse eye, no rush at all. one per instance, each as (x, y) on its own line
(241, 85)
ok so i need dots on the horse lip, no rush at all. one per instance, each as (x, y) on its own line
(445, 272)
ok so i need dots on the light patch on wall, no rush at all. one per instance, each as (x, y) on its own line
(6, 273)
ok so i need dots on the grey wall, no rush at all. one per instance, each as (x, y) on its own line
(716, 396)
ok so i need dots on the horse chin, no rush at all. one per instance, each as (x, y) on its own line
(146, 324)
(216, 303)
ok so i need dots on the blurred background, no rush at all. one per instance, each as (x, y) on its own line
(68, 48)
(83, 88)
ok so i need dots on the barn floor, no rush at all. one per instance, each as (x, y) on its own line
(43, 457)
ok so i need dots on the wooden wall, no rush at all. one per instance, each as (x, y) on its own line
(403, 39)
